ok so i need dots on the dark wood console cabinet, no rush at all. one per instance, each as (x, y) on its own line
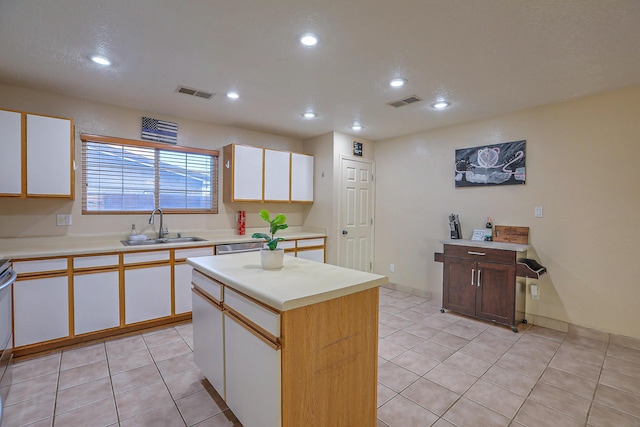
(481, 282)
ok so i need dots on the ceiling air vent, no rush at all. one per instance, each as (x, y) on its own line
(406, 101)
(194, 92)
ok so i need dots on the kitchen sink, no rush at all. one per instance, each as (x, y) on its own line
(162, 241)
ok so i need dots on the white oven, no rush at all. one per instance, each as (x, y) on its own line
(7, 277)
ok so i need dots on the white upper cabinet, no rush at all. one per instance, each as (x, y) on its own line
(277, 167)
(242, 173)
(38, 156)
(11, 143)
(253, 174)
(301, 178)
(49, 156)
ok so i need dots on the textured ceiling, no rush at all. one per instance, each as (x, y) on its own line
(486, 57)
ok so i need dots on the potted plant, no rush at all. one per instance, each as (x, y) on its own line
(271, 257)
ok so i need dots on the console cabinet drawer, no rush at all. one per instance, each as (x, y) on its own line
(481, 254)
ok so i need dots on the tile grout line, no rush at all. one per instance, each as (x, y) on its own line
(513, 420)
(595, 389)
(113, 390)
(175, 404)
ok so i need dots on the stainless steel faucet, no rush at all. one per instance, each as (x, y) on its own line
(161, 233)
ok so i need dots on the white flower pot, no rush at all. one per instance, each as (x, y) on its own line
(272, 260)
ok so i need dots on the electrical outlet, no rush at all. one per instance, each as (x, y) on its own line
(537, 212)
(63, 219)
(534, 292)
(392, 268)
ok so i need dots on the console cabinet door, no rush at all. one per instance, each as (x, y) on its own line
(40, 310)
(49, 156)
(495, 299)
(253, 376)
(460, 283)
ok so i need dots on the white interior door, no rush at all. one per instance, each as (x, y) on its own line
(356, 215)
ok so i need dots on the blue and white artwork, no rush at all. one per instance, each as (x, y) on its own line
(497, 164)
(159, 130)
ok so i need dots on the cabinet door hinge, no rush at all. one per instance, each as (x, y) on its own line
(370, 266)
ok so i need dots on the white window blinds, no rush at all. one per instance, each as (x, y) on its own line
(135, 177)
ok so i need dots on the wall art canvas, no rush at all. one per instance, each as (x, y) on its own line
(497, 164)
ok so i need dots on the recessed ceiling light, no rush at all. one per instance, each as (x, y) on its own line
(100, 60)
(397, 82)
(309, 39)
(309, 115)
(356, 126)
(440, 105)
(233, 95)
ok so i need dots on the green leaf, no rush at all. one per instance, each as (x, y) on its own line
(264, 214)
(282, 226)
(273, 244)
(279, 219)
(261, 236)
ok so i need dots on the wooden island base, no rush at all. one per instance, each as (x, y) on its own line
(329, 362)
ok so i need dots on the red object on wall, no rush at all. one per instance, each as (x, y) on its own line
(242, 218)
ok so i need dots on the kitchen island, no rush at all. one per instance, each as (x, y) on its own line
(289, 347)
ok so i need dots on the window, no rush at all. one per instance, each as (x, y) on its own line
(126, 176)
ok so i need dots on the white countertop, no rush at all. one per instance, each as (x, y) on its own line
(34, 247)
(517, 247)
(298, 283)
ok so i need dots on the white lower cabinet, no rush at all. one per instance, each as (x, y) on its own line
(147, 293)
(243, 365)
(41, 310)
(252, 376)
(208, 340)
(312, 255)
(96, 301)
(182, 276)
(182, 282)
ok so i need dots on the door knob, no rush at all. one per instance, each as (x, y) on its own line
(345, 232)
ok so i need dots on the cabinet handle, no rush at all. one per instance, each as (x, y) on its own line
(479, 271)
(476, 253)
(473, 272)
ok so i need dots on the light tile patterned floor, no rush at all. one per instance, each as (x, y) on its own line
(434, 369)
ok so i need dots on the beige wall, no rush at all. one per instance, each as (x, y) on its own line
(319, 213)
(328, 149)
(37, 217)
(582, 168)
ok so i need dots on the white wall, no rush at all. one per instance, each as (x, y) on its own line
(30, 217)
(582, 167)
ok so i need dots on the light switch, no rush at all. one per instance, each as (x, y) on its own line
(537, 212)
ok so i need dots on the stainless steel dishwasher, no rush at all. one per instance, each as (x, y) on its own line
(234, 248)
